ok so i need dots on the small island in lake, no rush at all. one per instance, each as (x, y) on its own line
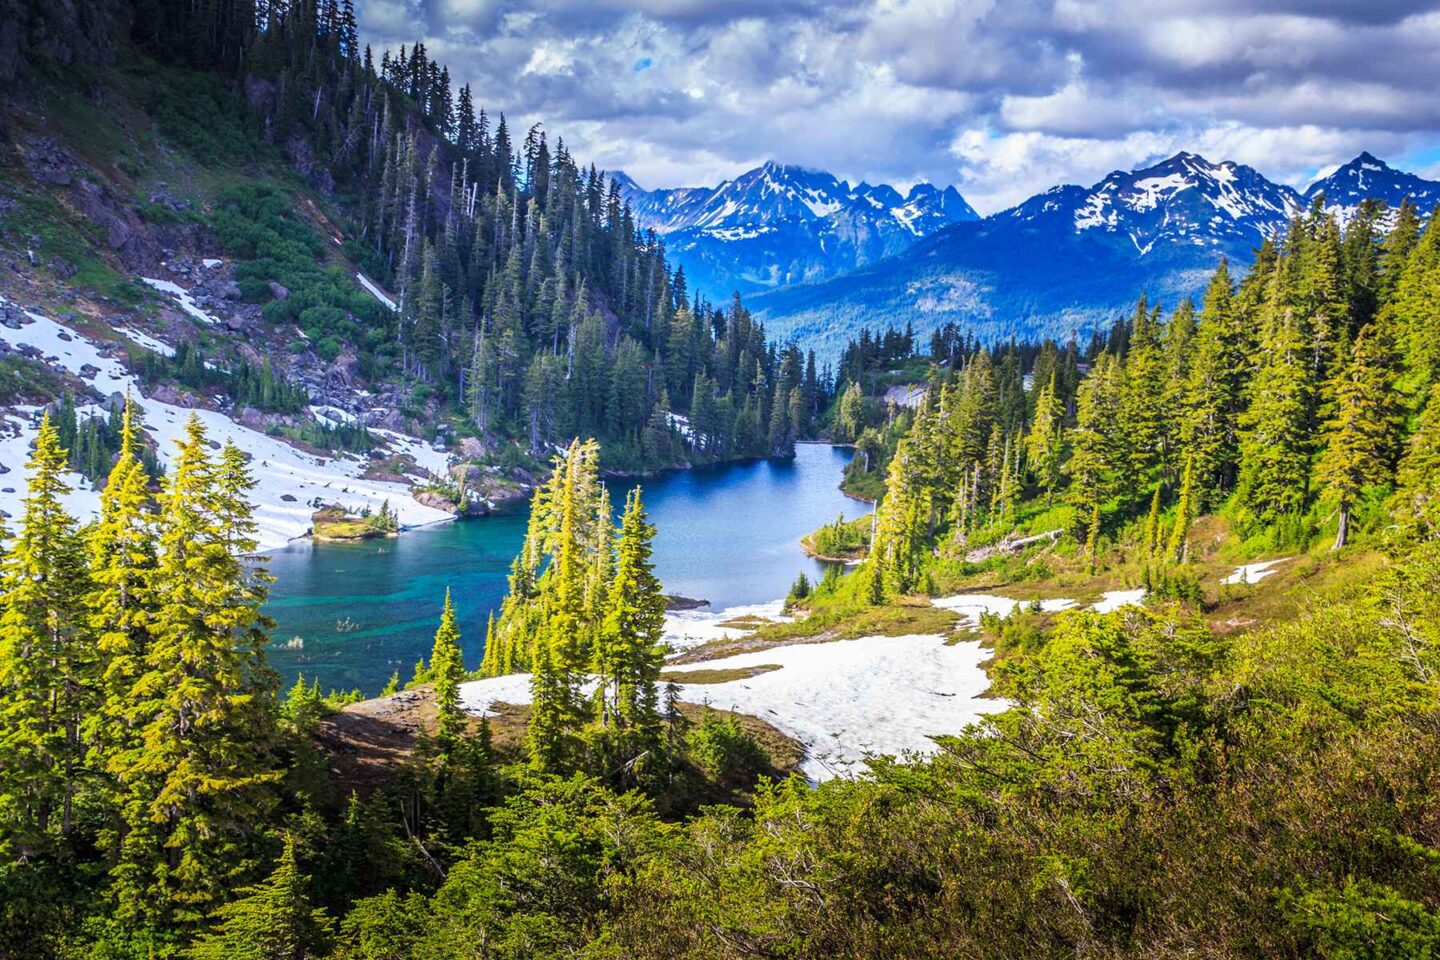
(334, 523)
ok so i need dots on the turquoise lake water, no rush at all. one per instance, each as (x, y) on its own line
(728, 534)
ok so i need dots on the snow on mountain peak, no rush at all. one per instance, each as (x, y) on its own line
(1369, 177)
(782, 223)
(1185, 197)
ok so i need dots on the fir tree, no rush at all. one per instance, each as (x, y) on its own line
(121, 604)
(1277, 442)
(273, 920)
(1152, 524)
(1360, 436)
(447, 672)
(1044, 447)
(1180, 533)
(1209, 428)
(201, 777)
(1418, 476)
(628, 654)
(48, 668)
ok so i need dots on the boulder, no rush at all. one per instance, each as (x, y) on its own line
(471, 448)
(467, 473)
(343, 370)
(430, 498)
(279, 291)
(12, 316)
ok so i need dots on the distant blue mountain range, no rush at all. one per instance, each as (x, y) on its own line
(818, 259)
(778, 225)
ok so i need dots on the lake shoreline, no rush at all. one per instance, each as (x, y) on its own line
(507, 503)
(729, 533)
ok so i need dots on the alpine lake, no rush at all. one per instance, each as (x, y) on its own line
(351, 614)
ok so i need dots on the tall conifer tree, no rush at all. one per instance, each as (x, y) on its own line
(48, 668)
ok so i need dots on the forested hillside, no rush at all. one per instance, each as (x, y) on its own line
(1292, 401)
(526, 303)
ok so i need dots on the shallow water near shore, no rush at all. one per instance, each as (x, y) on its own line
(350, 614)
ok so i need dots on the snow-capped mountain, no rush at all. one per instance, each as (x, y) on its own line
(1367, 176)
(781, 224)
(1185, 199)
(1073, 258)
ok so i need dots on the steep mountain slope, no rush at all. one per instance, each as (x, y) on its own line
(337, 267)
(1069, 260)
(780, 224)
(115, 282)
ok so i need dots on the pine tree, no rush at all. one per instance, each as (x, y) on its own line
(48, 670)
(1418, 476)
(1276, 446)
(1045, 445)
(273, 920)
(1140, 412)
(196, 787)
(122, 555)
(849, 415)
(901, 523)
(1092, 539)
(628, 655)
(1152, 524)
(1180, 533)
(547, 739)
(1360, 437)
(447, 672)
(1097, 456)
(1209, 428)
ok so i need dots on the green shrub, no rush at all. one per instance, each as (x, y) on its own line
(720, 746)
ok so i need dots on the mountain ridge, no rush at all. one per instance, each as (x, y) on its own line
(781, 224)
(1070, 259)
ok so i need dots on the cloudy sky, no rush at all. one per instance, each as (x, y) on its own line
(1002, 98)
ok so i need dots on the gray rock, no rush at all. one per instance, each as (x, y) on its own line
(12, 316)
(278, 291)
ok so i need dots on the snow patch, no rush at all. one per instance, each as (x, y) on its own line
(843, 700)
(1151, 190)
(1115, 599)
(375, 291)
(280, 470)
(182, 297)
(146, 341)
(1254, 572)
(1092, 213)
(685, 629)
(729, 234)
(970, 606)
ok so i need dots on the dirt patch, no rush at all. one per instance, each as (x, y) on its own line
(368, 742)
(716, 676)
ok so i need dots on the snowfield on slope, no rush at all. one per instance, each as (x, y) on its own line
(288, 479)
(843, 700)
